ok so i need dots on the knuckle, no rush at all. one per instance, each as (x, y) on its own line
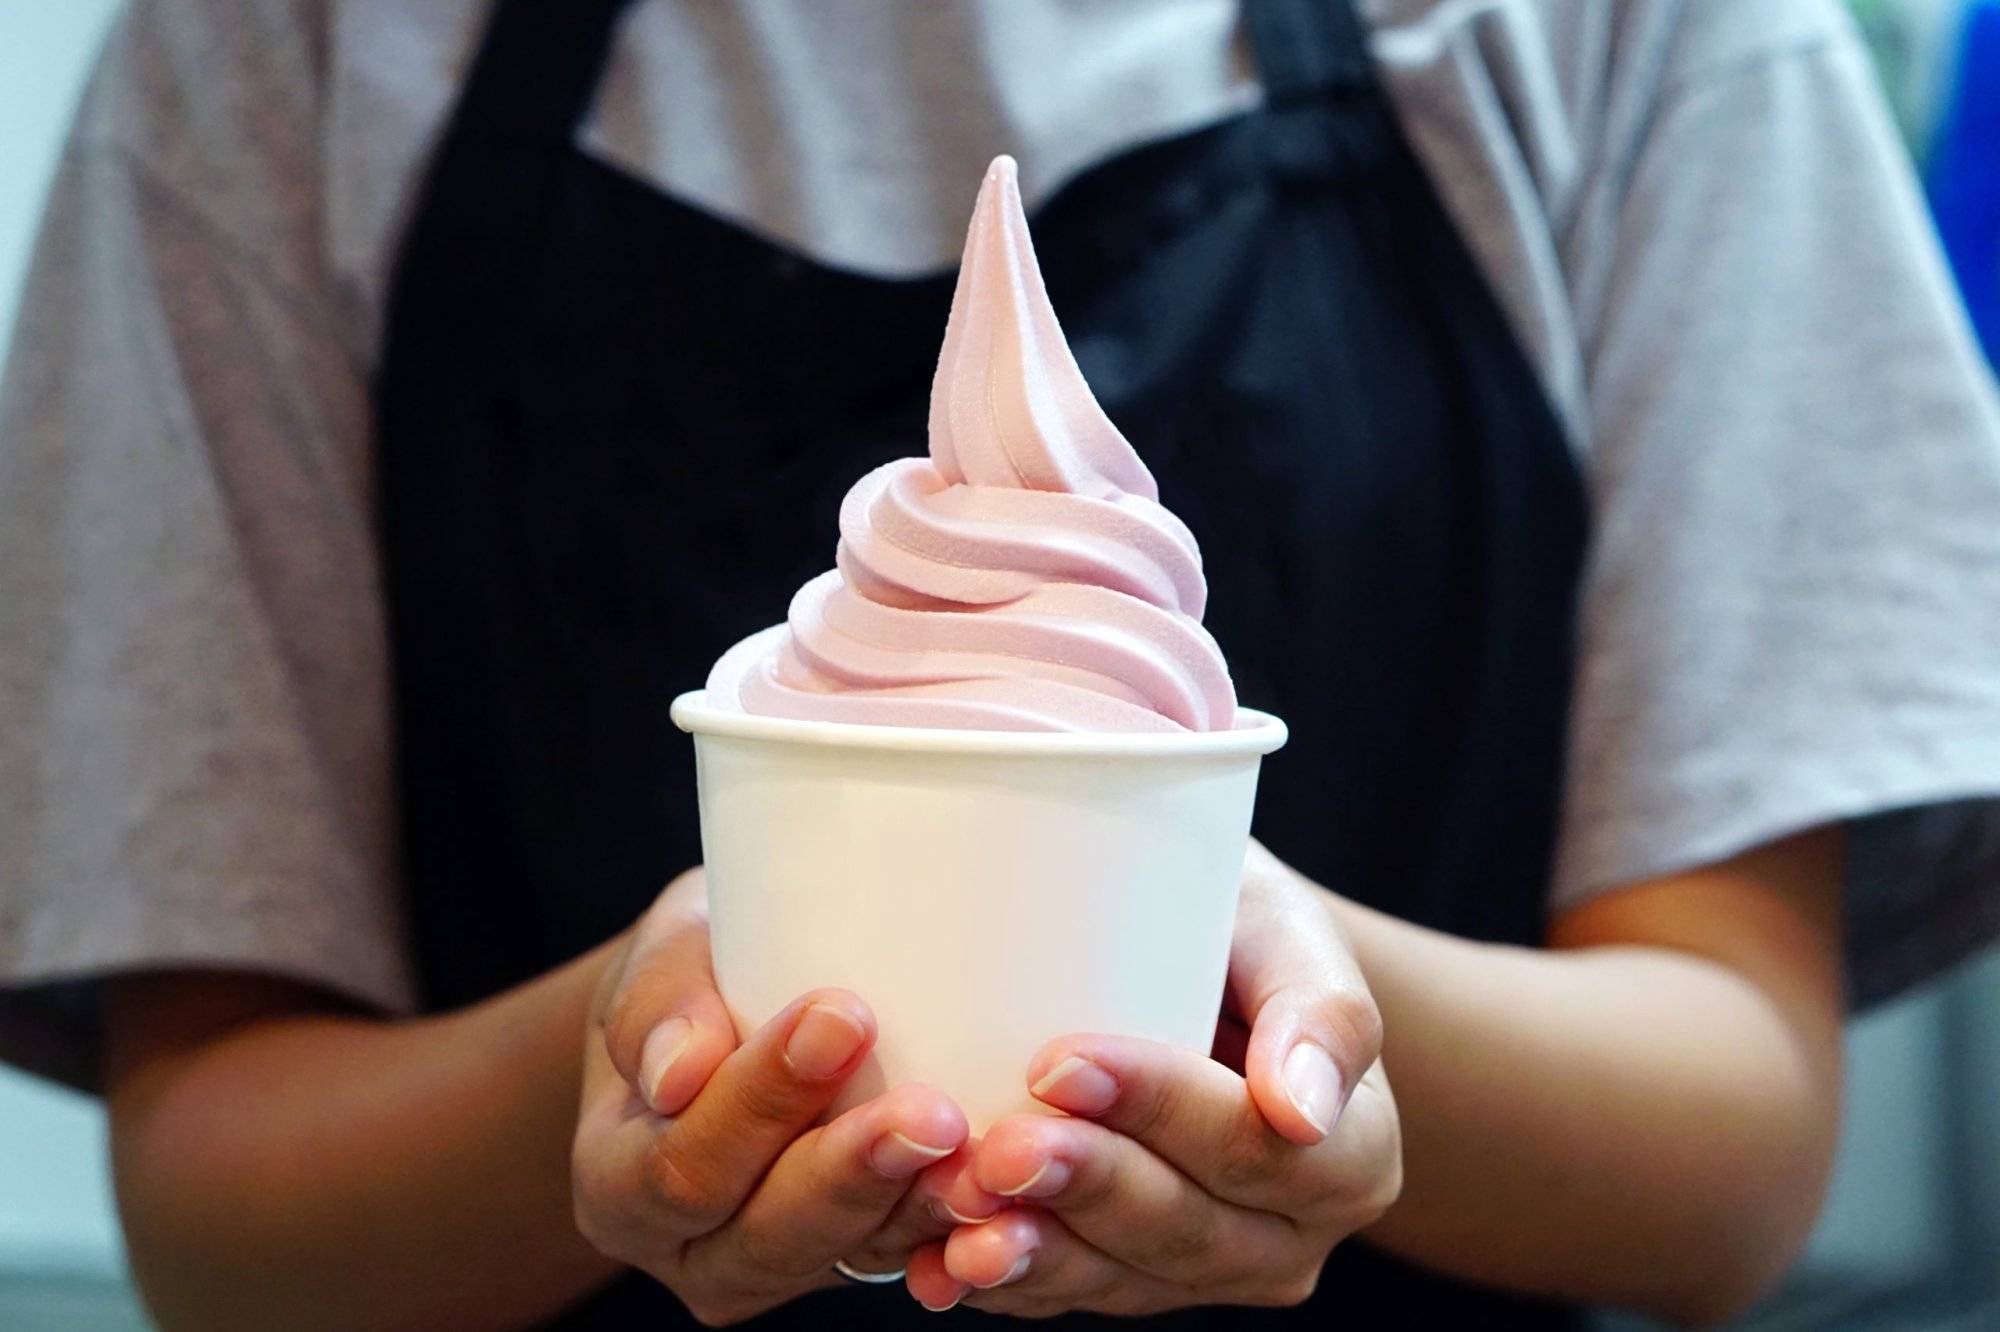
(1368, 1181)
(593, 1204)
(703, 1006)
(1186, 1245)
(1296, 1289)
(618, 1232)
(774, 1260)
(1094, 1186)
(680, 1190)
(1243, 1164)
(622, 1030)
(1356, 1023)
(1111, 1293)
(1387, 1190)
(766, 1097)
(847, 1191)
(1155, 1112)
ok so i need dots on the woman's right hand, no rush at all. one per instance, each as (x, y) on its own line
(696, 1159)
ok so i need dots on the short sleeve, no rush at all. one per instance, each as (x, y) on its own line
(1792, 611)
(194, 748)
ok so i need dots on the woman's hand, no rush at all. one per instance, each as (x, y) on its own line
(1179, 1180)
(696, 1161)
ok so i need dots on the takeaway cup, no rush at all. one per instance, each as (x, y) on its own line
(983, 891)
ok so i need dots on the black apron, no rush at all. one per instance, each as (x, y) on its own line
(615, 431)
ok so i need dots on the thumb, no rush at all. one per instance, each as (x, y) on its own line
(664, 1023)
(1314, 1026)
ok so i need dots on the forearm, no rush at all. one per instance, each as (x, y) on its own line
(1631, 1125)
(364, 1174)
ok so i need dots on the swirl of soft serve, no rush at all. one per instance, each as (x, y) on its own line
(1024, 577)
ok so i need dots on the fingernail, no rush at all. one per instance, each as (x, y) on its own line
(1078, 1086)
(1313, 1084)
(898, 1156)
(664, 1044)
(951, 1216)
(1049, 1179)
(1016, 1272)
(942, 1308)
(822, 1042)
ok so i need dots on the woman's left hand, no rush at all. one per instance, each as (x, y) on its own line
(1179, 1180)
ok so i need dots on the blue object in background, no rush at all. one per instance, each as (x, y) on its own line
(1965, 173)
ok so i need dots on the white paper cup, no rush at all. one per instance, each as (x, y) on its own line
(983, 891)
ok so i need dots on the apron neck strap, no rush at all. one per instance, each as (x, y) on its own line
(537, 69)
(1307, 49)
(490, 186)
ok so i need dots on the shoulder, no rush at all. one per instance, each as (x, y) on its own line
(210, 110)
(1565, 80)
(292, 131)
(1575, 34)
(175, 73)
(1529, 116)
(195, 85)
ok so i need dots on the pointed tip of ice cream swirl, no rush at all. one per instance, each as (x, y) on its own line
(1025, 577)
(1009, 405)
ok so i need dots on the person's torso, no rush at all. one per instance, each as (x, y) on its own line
(615, 428)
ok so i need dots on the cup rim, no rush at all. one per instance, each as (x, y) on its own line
(1255, 733)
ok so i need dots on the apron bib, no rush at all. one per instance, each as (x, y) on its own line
(614, 433)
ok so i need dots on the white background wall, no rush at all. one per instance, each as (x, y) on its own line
(1915, 1207)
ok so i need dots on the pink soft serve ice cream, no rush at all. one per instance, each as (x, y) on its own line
(1024, 577)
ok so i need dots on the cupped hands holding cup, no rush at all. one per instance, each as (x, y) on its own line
(1170, 1178)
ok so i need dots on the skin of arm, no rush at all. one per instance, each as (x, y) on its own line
(281, 1163)
(1645, 1113)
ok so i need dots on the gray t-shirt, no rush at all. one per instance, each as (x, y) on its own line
(1694, 211)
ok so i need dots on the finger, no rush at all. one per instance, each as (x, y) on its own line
(706, 1161)
(1363, 1162)
(1189, 1110)
(929, 1283)
(831, 1189)
(944, 1195)
(1027, 1262)
(608, 1173)
(1314, 1026)
(665, 1025)
(1129, 1203)
(952, 1194)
